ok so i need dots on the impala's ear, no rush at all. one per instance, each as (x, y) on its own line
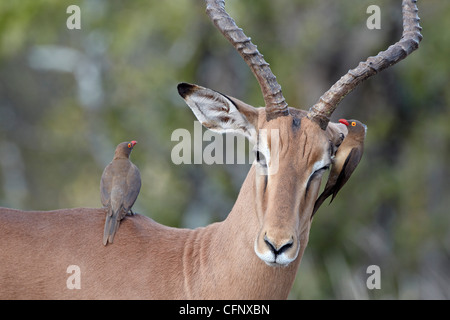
(220, 113)
(337, 133)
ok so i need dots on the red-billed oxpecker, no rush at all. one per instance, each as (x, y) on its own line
(119, 188)
(345, 161)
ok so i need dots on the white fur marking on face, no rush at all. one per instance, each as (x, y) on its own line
(270, 259)
(318, 165)
(263, 146)
(272, 155)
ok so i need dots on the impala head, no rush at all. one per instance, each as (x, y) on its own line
(291, 154)
(293, 147)
(287, 186)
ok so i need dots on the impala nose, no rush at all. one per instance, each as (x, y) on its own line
(280, 246)
(277, 248)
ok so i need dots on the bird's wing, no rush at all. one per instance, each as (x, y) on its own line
(334, 185)
(347, 169)
(106, 185)
(134, 186)
(329, 187)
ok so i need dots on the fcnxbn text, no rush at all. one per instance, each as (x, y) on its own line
(229, 309)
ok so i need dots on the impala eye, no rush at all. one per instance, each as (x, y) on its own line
(260, 158)
(314, 175)
(323, 168)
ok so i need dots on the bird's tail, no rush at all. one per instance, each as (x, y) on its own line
(325, 194)
(111, 226)
(317, 204)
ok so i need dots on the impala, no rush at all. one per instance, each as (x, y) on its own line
(254, 253)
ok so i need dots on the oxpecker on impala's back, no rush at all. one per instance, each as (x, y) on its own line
(119, 188)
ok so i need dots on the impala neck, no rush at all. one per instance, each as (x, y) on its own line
(243, 216)
(232, 244)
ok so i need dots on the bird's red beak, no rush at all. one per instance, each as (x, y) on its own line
(343, 121)
(133, 143)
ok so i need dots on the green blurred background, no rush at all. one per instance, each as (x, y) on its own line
(68, 97)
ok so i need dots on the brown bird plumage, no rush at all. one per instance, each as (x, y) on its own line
(345, 162)
(119, 188)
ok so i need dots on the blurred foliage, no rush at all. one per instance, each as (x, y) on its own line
(68, 97)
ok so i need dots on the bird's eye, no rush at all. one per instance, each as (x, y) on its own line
(353, 123)
(129, 145)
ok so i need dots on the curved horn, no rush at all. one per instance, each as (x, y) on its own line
(324, 108)
(275, 103)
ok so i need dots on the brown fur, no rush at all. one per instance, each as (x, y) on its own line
(146, 261)
(152, 261)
